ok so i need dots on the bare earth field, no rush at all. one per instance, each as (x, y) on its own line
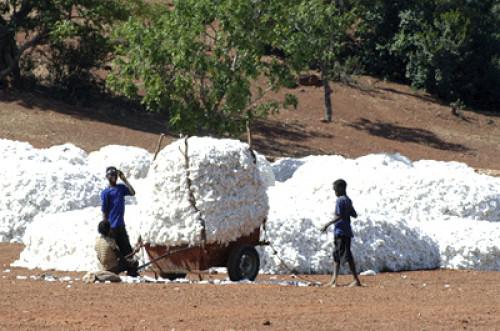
(425, 300)
(372, 116)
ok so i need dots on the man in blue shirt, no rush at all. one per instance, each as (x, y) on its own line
(343, 233)
(113, 208)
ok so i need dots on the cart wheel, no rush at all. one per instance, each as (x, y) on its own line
(173, 275)
(243, 263)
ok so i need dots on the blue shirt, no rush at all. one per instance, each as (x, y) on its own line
(344, 209)
(113, 204)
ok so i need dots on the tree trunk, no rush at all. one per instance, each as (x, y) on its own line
(9, 61)
(328, 102)
(249, 133)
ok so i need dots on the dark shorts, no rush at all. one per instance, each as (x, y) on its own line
(342, 251)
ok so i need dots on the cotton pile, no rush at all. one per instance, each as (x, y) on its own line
(412, 215)
(400, 203)
(30, 187)
(65, 241)
(464, 244)
(56, 179)
(133, 161)
(229, 193)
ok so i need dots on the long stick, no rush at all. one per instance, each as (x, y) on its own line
(162, 257)
(158, 146)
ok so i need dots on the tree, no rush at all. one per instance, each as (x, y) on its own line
(450, 48)
(197, 62)
(318, 33)
(60, 25)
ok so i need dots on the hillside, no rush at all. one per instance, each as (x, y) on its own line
(371, 116)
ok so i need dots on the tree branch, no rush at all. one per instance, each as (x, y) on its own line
(257, 99)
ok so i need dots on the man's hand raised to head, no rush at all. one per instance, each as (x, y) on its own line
(121, 175)
(124, 179)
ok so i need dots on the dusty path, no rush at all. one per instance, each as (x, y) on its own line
(412, 300)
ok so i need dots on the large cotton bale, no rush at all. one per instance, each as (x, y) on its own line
(223, 178)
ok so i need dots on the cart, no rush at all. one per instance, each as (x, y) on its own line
(239, 256)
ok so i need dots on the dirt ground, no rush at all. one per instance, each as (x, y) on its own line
(424, 300)
(373, 116)
(369, 117)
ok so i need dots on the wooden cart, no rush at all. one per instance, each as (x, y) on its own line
(239, 256)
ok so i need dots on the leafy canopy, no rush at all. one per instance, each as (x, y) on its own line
(197, 60)
(73, 31)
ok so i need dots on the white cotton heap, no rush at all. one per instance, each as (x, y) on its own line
(464, 244)
(397, 201)
(66, 241)
(68, 153)
(133, 161)
(17, 150)
(30, 187)
(412, 215)
(229, 193)
(56, 179)
(285, 168)
(265, 170)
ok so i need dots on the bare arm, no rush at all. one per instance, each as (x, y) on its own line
(125, 181)
(333, 221)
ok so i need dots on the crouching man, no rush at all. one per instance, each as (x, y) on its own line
(109, 255)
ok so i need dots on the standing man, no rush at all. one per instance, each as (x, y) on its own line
(113, 208)
(343, 233)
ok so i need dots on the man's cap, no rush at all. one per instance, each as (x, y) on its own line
(111, 171)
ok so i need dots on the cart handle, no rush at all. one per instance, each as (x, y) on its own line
(162, 257)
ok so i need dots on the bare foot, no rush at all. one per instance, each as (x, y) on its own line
(331, 283)
(355, 283)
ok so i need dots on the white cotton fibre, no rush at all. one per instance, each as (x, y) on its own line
(66, 241)
(133, 161)
(229, 193)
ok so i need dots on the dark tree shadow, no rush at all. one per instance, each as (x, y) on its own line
(275, 138)
(106, 109)
(405, 134)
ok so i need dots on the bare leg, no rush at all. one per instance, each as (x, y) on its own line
(356, 281)
(336, 270)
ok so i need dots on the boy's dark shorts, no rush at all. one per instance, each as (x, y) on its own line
(342, 251)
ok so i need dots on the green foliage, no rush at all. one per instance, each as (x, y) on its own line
(317, 34)
(67, 37)
(197, 61)
(450, 48)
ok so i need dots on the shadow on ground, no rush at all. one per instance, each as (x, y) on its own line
(406, 135)
(275, 138)
(102, 109)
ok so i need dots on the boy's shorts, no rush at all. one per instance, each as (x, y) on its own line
(342, 251)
